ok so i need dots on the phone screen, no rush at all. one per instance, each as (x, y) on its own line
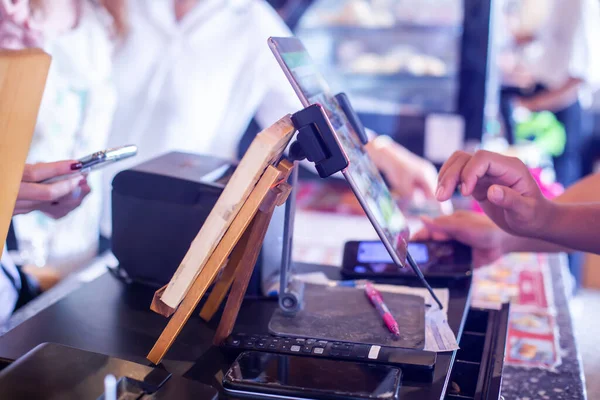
(436, 259)
(361, 173)
(303, 376)
(375, 252)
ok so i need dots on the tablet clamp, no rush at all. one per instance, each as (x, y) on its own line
(315, 142)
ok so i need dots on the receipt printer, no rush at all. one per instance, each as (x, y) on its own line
(159, 206)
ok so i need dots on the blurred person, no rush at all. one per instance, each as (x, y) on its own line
(20, 285)
(518, 217)
(74, 117)
(555, 66)
(191, 74)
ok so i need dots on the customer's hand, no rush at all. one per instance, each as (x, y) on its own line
(54, 199)
(406, 172)
(502, 185)
(475, 230)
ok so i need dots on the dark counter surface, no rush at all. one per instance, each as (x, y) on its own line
(91, 314)
(109, 317)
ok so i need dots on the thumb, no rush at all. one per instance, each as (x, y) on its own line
(508, 199)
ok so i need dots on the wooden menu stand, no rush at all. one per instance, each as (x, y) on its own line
(241, 244)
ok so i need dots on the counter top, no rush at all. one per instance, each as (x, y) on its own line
(568, 381)
(518, 383)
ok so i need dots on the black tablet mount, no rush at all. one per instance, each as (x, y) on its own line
(317, 143)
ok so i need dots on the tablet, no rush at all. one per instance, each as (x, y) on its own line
(362, 174)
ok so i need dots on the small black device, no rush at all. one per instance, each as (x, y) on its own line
(275, 375)
(409, 358)
(437, 260)
(162, 203)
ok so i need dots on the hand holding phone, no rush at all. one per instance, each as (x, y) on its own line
(98, 160)
(55, 199)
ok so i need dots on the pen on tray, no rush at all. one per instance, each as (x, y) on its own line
(377, 301)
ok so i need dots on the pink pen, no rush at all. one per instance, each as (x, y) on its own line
(376, 299)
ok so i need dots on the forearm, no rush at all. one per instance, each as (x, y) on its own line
(585, 190)
(518, 244)
(570, 227)
(556, 99)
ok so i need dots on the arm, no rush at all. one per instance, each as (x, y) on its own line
(585, 190)
(573, 227)
(555, 99)
(406, 172)
(512, 200)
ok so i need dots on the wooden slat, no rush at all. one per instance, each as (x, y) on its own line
(266, 149)
(222, 286)
(251, 243)
(22, 80)
(217, 259)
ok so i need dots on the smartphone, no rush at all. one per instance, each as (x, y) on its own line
(370, 259)
(98, 160)
(267, 375)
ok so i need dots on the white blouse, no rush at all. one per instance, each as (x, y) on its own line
(74, 121)
(567, 44)
(194, 85)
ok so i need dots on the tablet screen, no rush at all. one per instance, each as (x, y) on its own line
(361, 173)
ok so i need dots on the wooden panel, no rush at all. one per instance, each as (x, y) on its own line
(266, 149)
(275, 197)
(217, 259)
(22, 80)
(250, 246)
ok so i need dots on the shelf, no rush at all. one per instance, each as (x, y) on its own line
(366, 30)
(387, 78)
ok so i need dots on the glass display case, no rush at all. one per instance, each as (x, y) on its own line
(404, 63)
(391, 56)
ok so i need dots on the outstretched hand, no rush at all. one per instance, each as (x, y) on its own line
(475, 230)
(503, 186)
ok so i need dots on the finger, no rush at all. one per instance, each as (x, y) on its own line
(450, 160)
(26, 204)
(425, 187)
(85, 189)
(440, 236)
(444, 226)
(509, 200)
(450, 178)
(42, 171)
(47, 192)
(421, 235)
(506, 171)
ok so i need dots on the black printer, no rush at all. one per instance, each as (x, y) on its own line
(158, 208)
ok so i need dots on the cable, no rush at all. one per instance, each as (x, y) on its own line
(417, 270)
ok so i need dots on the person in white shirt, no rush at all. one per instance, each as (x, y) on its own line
(56, 200)
(557, 69)
(191, 74)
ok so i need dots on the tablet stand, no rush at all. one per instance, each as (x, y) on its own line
(241, 243)
(317, 143)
